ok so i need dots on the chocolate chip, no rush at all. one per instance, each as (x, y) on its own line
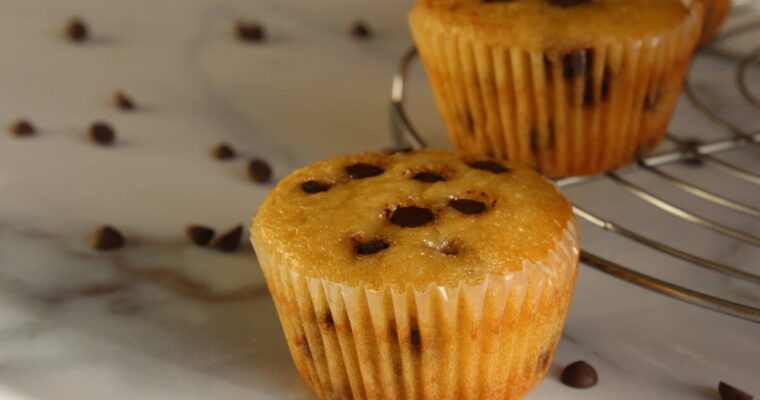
(22, 127)
(223, 151)
(76, 30)
(689, 149)
(102, 133)
(567, 3)
(106, 238)
(579, 375)
(311, 186)
(450, 249)
(371, 247)
(200, 235)
(360, 30)
(259, 171)
(123, 101)
(410, 217)
(250, 32)
(362, 170)
(728, 392)
(428, 177)
(228, 241)
(468, 206)
(492, 166)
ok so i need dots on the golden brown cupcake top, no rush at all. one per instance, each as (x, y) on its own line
(542, 24)
(420, 217)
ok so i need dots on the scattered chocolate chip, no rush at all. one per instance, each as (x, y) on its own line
(728, 392)
(23, 127)
(362, 170)
(360, 30)
(494, 167)
(106, 238)
(428, 177)
(200, 235)
(371, 247)
(567, 3)
(228, 241)
(102, 133)
(579, 375)
(259, 171)
(410, 217)
(76, 30)
(250, 32)
(311, 186)
(223, 151)
(123, 101)
(689, 149)
(468, 206)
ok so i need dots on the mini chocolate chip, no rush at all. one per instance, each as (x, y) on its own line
(492, 166)
(250, 32)
(228, 241)
(76, 30)
(102, 133)
(567, 3)
(450, 249)
(689, 149)
(106, 238)
(371, 247)
(223, 151)
(579, 375)
(428, 177)
(23, 127)
(199, 234)
(728, 392)
(311, 186)
(259, 171)
(362, 170)
(123, 101)
(360, 30)
(410, 217)
(468, 206)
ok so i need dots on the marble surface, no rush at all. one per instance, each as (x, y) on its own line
(162, 319)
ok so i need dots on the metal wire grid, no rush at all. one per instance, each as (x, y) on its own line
(405, 134)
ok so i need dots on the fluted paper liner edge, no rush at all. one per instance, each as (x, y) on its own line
(566, 112)
(492, 340)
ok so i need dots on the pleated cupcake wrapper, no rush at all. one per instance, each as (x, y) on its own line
(571, 112)
(715, 13)
(493, 340)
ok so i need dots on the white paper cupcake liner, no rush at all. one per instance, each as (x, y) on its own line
(491, 340)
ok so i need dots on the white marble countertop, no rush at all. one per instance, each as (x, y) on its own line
(163, 319)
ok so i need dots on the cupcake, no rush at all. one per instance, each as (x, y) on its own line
(571, 87)
(427, 274)
(715, 12)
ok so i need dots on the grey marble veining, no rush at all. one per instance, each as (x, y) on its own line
(162, 319)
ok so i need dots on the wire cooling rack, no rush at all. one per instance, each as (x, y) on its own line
(405, 134)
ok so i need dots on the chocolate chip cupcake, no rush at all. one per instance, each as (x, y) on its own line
(571, 87)
(426, 274)
(715, 13)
